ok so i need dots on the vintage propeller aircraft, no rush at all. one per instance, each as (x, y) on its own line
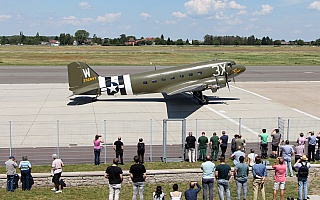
(194, 78)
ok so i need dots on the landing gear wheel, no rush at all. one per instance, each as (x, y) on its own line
(204, 100)
(94, 99)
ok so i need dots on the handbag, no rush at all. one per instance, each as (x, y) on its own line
(31, 181)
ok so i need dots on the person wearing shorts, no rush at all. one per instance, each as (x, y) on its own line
(279, 177)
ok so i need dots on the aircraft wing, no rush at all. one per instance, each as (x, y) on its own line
(184, 87)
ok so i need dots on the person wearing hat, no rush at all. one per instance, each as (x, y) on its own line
(57, 165)
(25, 168)
(11, 166)
(302, 167)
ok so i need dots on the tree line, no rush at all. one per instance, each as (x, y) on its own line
(81, 37)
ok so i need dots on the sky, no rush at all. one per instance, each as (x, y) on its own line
(185, 19)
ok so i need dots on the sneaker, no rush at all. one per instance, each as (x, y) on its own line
(59, 191)
(53, 189)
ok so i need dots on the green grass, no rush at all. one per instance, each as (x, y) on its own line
(148, 165)
(157, 55)
(101, 192)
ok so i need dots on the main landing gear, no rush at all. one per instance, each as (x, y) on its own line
(202, 99)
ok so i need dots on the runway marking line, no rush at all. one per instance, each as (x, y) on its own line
(258, 95)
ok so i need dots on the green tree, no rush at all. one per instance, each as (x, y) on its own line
(81, 36)
(179, 42)
(21, 38)
(122, 39)
(277, 42)
(62, 39)
(300, 42)
(36, 40)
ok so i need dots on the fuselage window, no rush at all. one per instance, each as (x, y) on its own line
(199, 73)
(154, 81)
(172, 77)
(190, 74)
(181, 76)
(145, 82)
(163, 79)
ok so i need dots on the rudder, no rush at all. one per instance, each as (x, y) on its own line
(82, 79)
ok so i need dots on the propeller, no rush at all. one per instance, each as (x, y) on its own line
(226, 77)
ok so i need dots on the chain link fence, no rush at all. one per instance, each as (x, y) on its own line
(73, 140)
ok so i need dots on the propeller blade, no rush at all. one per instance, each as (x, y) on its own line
(227, 81)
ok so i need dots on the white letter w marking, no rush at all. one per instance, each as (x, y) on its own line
(86, 72)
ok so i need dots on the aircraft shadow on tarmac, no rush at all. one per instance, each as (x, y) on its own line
(178, 106)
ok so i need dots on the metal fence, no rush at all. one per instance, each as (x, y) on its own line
(72, 140)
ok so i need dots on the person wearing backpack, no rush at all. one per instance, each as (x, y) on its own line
(302, 167)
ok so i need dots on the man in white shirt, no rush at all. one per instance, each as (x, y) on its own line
(57, 165)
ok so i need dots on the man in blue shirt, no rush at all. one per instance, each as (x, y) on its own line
(236, 155)
(207, 178)
(287, 152)
(259, 172)
(191, 193)
(312, 141)
(223, 143)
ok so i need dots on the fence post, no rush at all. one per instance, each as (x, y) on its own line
(105, 140)
(239, 126)
(58, 140)
(150, 157)
(288, 129)
(196, 149)
(10, 132)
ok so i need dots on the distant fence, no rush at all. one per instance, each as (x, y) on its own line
(73, 140)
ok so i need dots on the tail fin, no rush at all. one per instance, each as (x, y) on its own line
(82, 79)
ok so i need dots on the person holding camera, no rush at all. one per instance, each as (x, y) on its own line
(191, 193)
(279, 177)
(97, 148)
(302, 167)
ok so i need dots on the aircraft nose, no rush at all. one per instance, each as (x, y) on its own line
(237, 69)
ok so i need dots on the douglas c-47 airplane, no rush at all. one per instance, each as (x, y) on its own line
(194, 78)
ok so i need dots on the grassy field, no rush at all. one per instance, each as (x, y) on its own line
(101, 192)
(157, 55)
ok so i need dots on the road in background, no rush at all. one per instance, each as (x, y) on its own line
(59, 74)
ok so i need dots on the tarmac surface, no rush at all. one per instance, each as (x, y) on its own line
(34, 98)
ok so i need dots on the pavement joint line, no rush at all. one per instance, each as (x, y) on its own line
(307, 114)
(258, 95)
(226, 117)
(231, 120)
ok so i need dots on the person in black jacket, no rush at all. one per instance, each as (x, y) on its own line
(141, 150)
(190, 146)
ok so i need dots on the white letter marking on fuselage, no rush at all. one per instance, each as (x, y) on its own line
(220, 69)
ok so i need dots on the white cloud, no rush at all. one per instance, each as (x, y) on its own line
(242, 12)
(217, 5)
(109, 17)
(234, 21)
(72, 20)
(5, 17)
(145, 16)
(234, 5)
(266, 9)
(204, 7)
(169, 22)
(85, 5)
(200, 7)
(314, 5)
(179, 15)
